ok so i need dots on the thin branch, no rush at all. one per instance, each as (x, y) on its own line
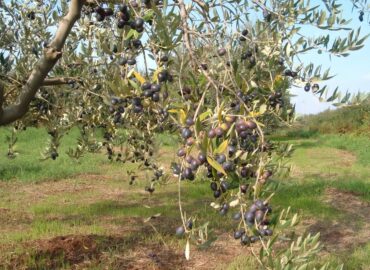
(51, 56)
(60, 81)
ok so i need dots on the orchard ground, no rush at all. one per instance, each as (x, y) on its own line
(63, 215)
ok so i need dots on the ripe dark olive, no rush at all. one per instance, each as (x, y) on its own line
(231, 150)
(245, 32)
(164, 58)
(54, 155)
(114, 101)
(251, 125)
(217, 193)
(244, 240)
(259, 204)
(259, 215)
(147, 93)
(121, 23)
(361, 16)
(136, 101)
(254, 239)
(190, 141)
(202, 158)
(125, 16)
(242, 38)
(99, 17)
(214, 186)
(249, 217)
(180, 231)
(211, 134)
(268, 232)
(189, 121)
(253, 208)
(162, 76)
(221, 158)
(189, 159)
(176, 169)
(219, 132)
(139, 29)
(131, 62)
(228, 166)
(121, 109)
(188, 174)
(238, 234)
(307, 87)
(138, 108)
(189, 224)
(136, 43)
(221, 51)
(155, 87)
(108, 12)
(146, 86)
(243, 188)
(223, 211)
(123, 8)
(267, 15)
(155, 97)
(244, 134)
(99, 10)
(194, 165)
(186, 133)
(181, 152)
(139, 23)
(224, 186)
(244, 172)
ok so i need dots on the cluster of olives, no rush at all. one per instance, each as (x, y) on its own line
(275, 99)
(290, 73)
(31, 15)
(246, 98)
(151, 91)
(181, 230)
(43, 104)
(315, 87)
(255, 216)
(361, 16)
(248, 56)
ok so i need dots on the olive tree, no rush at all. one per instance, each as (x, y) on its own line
(217, 73)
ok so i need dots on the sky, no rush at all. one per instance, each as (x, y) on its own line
(352, 72)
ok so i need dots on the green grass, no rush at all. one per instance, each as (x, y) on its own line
(113, 206)
(360, 145)
(27, 165)
(305, 197)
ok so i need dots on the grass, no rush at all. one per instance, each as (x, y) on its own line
(307, 197)
(27, 165)
(52, 198)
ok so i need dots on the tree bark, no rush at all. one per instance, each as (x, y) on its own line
(51, 56)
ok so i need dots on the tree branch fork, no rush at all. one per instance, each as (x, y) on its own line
(42, 68)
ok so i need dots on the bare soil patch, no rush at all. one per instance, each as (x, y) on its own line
(342, 159)
(121, 253)
(351, 231)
